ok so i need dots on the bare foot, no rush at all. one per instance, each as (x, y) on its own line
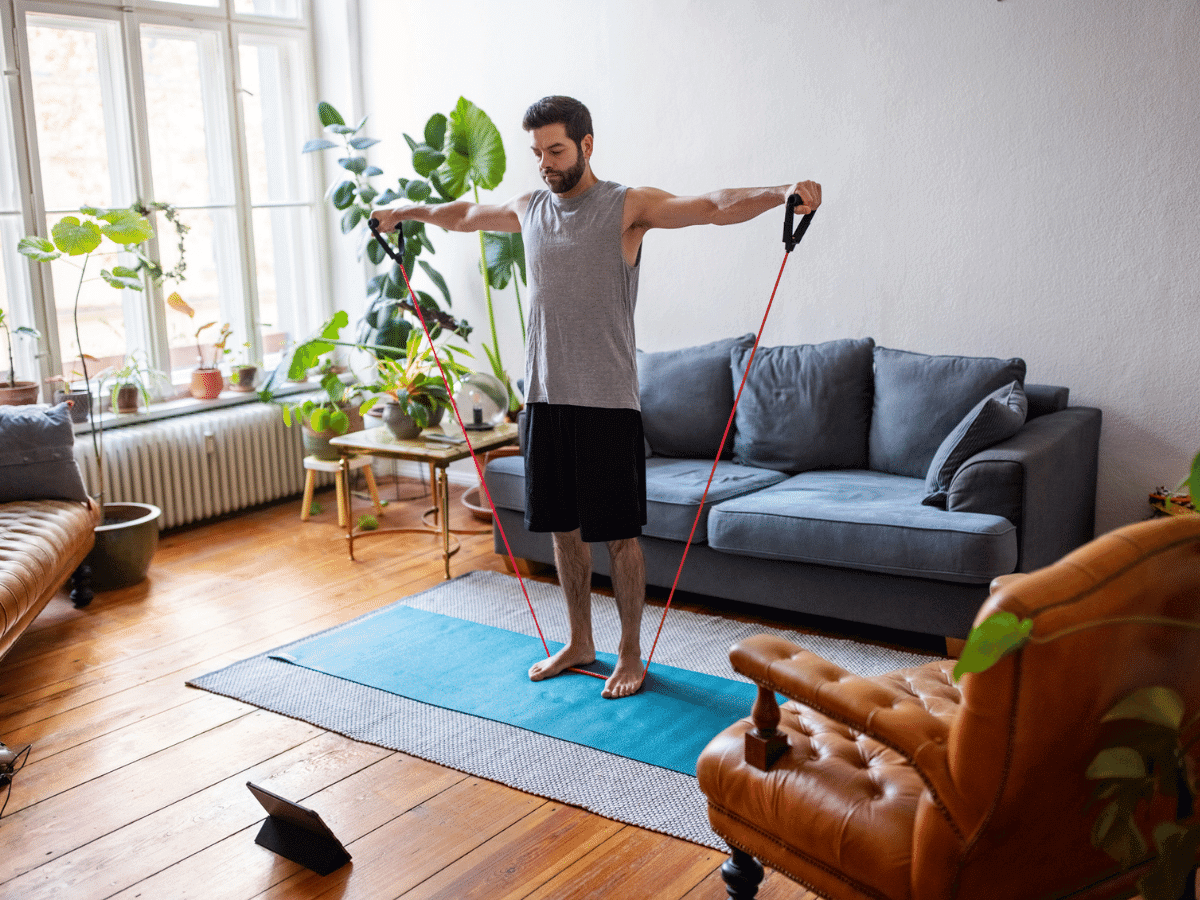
(626, 678)
(568, 656)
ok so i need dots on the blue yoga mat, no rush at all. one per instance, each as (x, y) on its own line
(483, 671)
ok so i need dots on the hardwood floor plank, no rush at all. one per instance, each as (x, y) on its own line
(521, 858)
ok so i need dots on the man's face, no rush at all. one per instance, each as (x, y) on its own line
(560, 161)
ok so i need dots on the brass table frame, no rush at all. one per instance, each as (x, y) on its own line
(379, 442)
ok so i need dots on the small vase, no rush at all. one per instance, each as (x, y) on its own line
(399, 422)
(207, 384)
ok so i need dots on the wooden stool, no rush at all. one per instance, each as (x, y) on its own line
(314, 465)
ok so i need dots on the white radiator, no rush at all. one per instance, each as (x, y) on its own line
(199, 466)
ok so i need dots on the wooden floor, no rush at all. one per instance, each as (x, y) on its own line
(135, 786)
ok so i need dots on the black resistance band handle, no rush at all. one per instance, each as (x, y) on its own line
(373, 224)
(792, 238)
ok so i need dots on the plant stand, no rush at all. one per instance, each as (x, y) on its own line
(313, 465)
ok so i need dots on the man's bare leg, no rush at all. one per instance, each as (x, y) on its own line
(574, 560)
(629, 585)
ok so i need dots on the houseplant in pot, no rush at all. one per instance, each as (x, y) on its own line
(128, 535)
(12, 391)
(207, 380)
(131, 384)
(414, 387)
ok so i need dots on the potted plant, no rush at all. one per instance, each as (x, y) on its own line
(242, 375)
(12, 391)
(207, 380)
(132, 383)
(128, 534)
(414, 385)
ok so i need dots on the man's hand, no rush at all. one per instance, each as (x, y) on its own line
(810, 195)
(389, 219)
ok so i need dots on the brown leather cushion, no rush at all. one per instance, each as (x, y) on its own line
(41, 544)
(853, 833)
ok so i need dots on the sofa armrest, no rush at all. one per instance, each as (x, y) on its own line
(1043, 480)
(890, 715)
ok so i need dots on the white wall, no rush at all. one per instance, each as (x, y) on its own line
(1000, 178)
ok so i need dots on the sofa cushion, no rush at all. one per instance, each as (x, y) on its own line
(996, 417)
(673, 491)
(686, 398)
(864, 520)
(37, 454)
(804, 407)
(919, 399)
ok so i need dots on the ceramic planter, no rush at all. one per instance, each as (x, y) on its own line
(125, 544)
(20, 393)
(126, 399)
(207, 384)
(242, 378)
(316, 443)
(80, 403)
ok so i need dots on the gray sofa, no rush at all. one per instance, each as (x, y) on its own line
(859, 482)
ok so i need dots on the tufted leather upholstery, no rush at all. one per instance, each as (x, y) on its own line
(41, 544)
(910, 787)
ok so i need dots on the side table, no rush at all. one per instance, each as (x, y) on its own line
(434, 447)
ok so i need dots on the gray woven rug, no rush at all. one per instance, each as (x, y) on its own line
(612, 786)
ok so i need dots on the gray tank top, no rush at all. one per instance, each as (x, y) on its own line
(579, 343)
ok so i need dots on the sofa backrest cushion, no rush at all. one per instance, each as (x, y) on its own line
(919, 399)
(1046, 398)
(37, 454)
(995, 418)
(804, 407)
(686, 398)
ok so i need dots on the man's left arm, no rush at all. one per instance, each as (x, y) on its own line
(648, 208)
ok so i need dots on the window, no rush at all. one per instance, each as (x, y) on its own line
(199, 107)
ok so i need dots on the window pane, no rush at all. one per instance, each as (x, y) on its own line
(287, 9)
(269, 72)
(76, 109)
(284, 278)
(189, 157)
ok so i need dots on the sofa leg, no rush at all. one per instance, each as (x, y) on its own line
(81, 587)
(527, 567)
(743, 874)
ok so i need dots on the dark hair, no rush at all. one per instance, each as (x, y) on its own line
(560, 110)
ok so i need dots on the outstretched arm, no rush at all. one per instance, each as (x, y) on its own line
(648, 208)
(461, 215)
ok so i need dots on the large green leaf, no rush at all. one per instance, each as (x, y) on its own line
(343, 195)
(435, 130)
(125, 226)
(317, 144)
(1157, 705)
(76, 238)
(502, 252)
(328, 115)
(39, 249)
(1194, 479)
(426, 159)
(436, 277)
(474, 151)
(997, 635)
(122, 277)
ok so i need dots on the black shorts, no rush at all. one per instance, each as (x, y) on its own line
(585, 468)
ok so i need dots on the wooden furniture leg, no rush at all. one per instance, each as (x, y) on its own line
(372, 489)
(310, 479)
(742, 874)
(340, 479)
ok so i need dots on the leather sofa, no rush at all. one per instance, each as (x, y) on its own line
(914, 786)
(859, 482)
(47, 520)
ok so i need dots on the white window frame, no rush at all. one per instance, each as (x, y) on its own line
(30, 288)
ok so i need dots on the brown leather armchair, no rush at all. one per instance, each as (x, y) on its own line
(909, 786)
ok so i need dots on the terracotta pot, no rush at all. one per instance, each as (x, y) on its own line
(127, 399)
(207, 384)
(20, 393)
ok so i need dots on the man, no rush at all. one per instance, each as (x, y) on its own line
(584, 461)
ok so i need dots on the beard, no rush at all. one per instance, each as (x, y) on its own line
(563, 182)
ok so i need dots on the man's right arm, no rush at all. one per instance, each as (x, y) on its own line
(460, 215)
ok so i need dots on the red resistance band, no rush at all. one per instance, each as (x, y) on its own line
(791, 239)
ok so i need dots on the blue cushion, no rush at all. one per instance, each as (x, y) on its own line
(804, 407)
(37, 454)
(919, 399)
(686, 398)
(996, 417)
(864, 520)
